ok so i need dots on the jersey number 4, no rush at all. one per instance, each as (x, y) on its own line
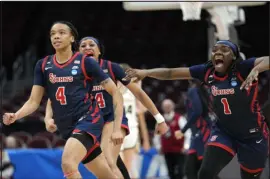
(60, 95)
(100, 100)
(226, 106)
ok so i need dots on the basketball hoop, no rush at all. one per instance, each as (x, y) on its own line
(191, 10)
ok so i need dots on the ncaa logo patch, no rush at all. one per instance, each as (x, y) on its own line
(213, 138)
(74, 72)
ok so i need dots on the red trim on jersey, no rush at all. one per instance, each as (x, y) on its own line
(101, 63)
(94, 114)
(207, 75)
(192, 151)
(206, 135)
(111, 71)
(251, 170)
(228, 149)
(240, 77)
(65, 64)
(220, 78)
(96, 145)
(86, 77)
(86, 97)
(44, 63)
(254, 99)
(200, 157)
(76, 130)
(125, 127)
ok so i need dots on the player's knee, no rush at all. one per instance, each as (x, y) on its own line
(68, 164)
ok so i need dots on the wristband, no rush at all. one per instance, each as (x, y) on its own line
(159, 118)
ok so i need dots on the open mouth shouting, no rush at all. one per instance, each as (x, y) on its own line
(219, 61)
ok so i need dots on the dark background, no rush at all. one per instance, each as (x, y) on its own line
(151, 38)
(141, 39)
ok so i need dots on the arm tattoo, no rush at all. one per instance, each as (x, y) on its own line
(105, 81)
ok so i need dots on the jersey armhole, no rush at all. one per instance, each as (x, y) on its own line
(207, 75)
(111, 71)
(83, 68)
(44, 63)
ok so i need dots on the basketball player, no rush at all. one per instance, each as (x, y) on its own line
(67, 78)
(240, 127)
(135, 115)
(197, 105)
(92, 47)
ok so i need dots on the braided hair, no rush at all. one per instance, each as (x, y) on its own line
(73, 31)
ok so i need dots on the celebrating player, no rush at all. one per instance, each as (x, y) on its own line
(92, 47)
(240, 127)
(67, 78)
(197, 105)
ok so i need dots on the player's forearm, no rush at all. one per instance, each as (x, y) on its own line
(118, 109)
(146, 101)
(28, 108)
(263, 65)
(143, 127)
(169, 73)
(49, 112)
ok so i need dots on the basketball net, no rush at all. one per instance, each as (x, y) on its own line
(191, 10)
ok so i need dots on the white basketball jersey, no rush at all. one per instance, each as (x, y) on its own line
(130, 108)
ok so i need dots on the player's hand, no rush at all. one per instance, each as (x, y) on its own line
(9, 118)
(50, 125)
(253, 76)
(146, 146)
(117, 137)
(178, 134)
(135, 73)
(161, 128)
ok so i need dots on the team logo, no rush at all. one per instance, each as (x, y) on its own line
(54, 79)
(74, 72)
(75, 67)
(213, 138)
(233, 82)
(77, 62)
(217, 92)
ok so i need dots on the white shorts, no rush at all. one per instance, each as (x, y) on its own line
(131, 140)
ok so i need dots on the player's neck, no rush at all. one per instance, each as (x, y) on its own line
(63, 55)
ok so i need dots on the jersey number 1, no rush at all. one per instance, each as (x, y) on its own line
(60, 95)
(226, 106)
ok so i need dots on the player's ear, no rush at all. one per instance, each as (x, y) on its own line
(72, 39)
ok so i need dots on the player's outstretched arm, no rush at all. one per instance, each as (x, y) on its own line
(148, 103)
(29, 107)
(160, 73)
(260, 65)
(112, 89)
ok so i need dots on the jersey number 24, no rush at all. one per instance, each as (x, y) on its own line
(100, 100)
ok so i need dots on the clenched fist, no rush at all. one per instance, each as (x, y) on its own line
(50, 125)
(9, 118)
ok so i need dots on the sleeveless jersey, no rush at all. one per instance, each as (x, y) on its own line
(67, 86)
